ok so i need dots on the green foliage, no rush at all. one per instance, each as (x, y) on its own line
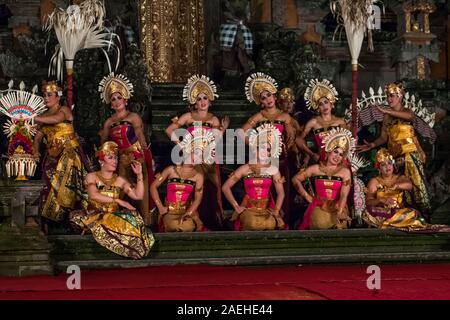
(287, 60)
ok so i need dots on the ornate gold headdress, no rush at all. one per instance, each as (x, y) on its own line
(382, 156)
(200, 139)
(267, 134)
(199, 84)
(257, 83)
(107, 148)
(111, 84)
(317, 90)
(287, 94)
(51, 86)
(395, 87)
(339, 138)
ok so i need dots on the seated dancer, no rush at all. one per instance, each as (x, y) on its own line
(126, 129)
(398, 132)
(331, 181)
(321, 97)
(257, 210)
(64, 164)
(261, 89)
(114, 223)
(386, 207)
(200, 92)
(184, 193)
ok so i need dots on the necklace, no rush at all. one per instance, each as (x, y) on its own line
(387, 183)
(178, 171)
(120, 118)
(256, 168)
(328, 172)
(106, 182)
(271, 117)
(324, 123)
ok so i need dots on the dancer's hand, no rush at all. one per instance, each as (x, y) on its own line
(125, 204)
(365, 147)
(137, 167)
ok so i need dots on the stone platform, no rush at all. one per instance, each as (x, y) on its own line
(358, 246)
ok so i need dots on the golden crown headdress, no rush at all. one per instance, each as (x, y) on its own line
(267, 134)
(380, 98)
(258, 82)
(383, 156)
(339, 138)
(317, 90)
(199, 84)
(200, 139)
(113, 83)
(395, 87)
(107, 148)
(287, 94)
(51, 86)
(357, 162)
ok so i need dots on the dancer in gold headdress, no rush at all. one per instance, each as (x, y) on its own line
(64, 164)
(331, 183)
(127, 130)
(114, 223)
(200, 92)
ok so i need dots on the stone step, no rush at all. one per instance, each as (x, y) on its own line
(377, 258)
(24, 252)
(267, 248)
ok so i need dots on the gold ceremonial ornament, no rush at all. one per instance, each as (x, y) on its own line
(111, 84)
(339, 138)
(317, 90)
(256, 84)
(199, 84)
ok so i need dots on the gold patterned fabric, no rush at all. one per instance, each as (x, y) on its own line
(118, 230)
(172, 219)
(396, 215)
(62, 171)
(256, 216)
(405, 148)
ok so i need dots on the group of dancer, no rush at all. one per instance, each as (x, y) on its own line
(121, 199)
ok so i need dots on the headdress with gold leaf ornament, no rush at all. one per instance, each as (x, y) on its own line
(257, 83)
(317, 90)
(286, 94)
(51, 86)
(200, 139)
(21, 107)
(114, 83)
(267, 134)
(383, 156)
(395, 87)
(107, 148)
(199, 84)
(357, 162)
(339, 138)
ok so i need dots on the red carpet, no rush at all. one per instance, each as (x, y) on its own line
(410, 282)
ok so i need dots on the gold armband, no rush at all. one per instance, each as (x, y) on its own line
(175, 121)
(251, 122)
(281, 179)
(302, 173)
(233, 176)
(158, 177)
(200, 190)
(347, 182)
